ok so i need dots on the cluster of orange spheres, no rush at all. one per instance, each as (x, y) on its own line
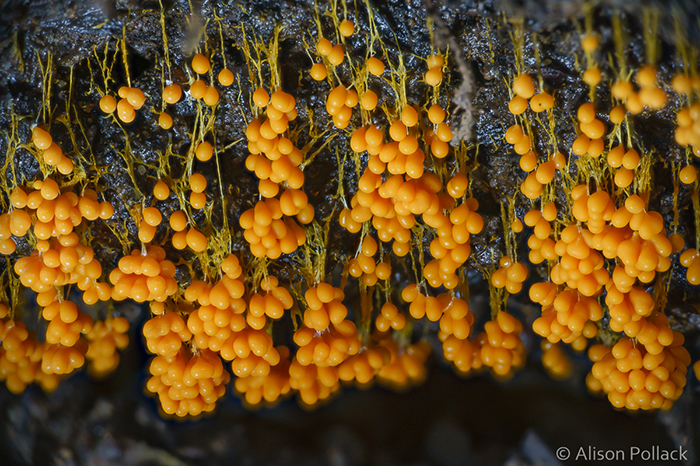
(591, 140)
(172, 93)
(644, 247)
(105, 338)
(451, 247)
(188, 384)
(650, 95)
(186, 237)
(691, 260)
(688, 117)
(328, 348)
(270, 387)
(339, 105)
(273, 157)
(540, 244)
(365, 267)
(56, 213)
(270, 303)
(555, 361)
(592, 76)
(313, 383)
(51, 152)
(145, 275)
(58, 359)
(635, 378)
(389, 317)
(66, 323)
(220, 314)
(524, 90)
(324, 307)
(334, 53)
(538, 175)
(21, 355)
(510, 275)
(465, 354)
(433, 76)
(422, 305)
(406, 365)
(580, 266)
(629, 312)
(268, 233)
(61, 262)
(569, 317)
(626, 162)
(501, 346)
(165, 333)
(314, 369)
(251, 353)
(364, 366)
(198, 89)
(131, 99)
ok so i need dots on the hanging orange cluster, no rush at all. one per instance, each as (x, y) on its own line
(188, 384)
(364, 266)
(145, 275)
(105, 338)
(568, 317)
(510, 275)
(267, 232)
(634, 377)
(51, 152)
(21, 356)
(501, 346)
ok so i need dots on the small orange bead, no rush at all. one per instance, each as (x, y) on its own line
(41, 138)
(261, 98)
(198, 183)
(409, 116)
(517, 105)
(369, 100)
(196, 240)
(324, 46)
(198, 200)
(200, 63)
(198, 89)
(152, 216)
(204, 151)
(436, 114)
(161, 190)
(617, 114)
(523, 86)
(514, 134)
(433, 77)
(172, 93)
(225, 77)
(592, 76)
(136, 98)
(318, 72)
(375, 66)
(688, 174)
(178, 220)
(346, 28)
(337, 55)
(435, 61)
(586, 113)
(108, 104)
(165, 121)
(541, 102)
(211, 96)
(589, 43)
